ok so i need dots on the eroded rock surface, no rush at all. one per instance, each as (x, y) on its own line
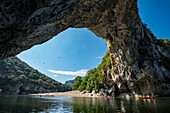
(138, 63)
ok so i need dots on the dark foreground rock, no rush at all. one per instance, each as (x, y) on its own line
(138, 62)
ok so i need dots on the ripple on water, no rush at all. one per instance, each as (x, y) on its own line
(32, 104)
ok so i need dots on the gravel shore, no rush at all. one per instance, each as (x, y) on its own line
(68, 93)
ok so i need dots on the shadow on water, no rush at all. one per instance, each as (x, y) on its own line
(22, 104)
(31, 104)
(98, 105)
(28, 104)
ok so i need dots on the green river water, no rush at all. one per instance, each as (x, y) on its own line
(32, 104)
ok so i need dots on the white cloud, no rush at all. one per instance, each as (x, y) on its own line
(81, 73)
(55, 75)
(99, 57)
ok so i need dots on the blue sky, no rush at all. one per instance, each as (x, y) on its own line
(67, 55)
(156, 14)
(74, 51)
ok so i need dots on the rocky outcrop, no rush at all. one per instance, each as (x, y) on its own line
(136, 57)
(16, 77)
(142, 82)
(69, 82)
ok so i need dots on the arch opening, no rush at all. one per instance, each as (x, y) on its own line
(73, 51)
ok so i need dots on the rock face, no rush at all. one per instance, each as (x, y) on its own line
(69, 82)
(16, 77)
(144, 81)
(138, 62)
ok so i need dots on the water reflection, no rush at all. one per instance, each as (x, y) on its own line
(27, 104)
(98, 105)
(22, 104)
(93, 105)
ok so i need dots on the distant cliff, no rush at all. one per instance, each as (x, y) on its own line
(69, 82)
(16, 77)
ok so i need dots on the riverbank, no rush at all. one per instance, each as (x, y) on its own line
(80, 94)
(68, 93)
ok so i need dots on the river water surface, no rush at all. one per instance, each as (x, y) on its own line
(32, 104)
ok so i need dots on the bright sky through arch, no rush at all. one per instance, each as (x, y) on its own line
(69, 54)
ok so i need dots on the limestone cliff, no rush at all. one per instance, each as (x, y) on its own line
(69, 82)
(16, 77)
(146, 81)
(136, 56)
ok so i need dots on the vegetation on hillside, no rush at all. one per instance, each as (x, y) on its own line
(94, 79)
(165, 43)
(15, 73)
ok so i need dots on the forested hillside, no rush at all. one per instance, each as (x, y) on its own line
(97, 78)
(16, 77)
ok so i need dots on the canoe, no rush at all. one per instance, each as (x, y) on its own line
(146, 97)
(106, 96)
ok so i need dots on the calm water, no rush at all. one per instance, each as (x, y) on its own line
(28, 104)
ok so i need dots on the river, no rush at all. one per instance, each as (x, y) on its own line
(33, 104)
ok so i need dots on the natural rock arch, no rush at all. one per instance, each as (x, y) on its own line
(135, 56)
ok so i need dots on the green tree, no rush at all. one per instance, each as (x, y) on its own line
(83, 84)
(94, 77)
(77, 83)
